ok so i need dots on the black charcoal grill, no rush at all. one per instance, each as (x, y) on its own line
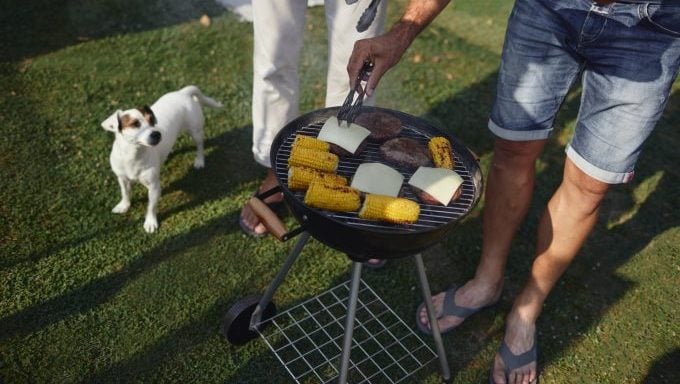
(360, 239)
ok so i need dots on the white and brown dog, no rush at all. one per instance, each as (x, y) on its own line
(144, 139)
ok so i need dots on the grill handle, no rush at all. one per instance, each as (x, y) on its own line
(474, 155)
(269, 219)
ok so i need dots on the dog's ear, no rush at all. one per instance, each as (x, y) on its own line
(148, 115)
(112, 123)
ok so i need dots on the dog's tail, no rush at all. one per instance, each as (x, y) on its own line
(197, 95)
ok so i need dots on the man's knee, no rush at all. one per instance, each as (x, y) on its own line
(517, 154)
(586, 192)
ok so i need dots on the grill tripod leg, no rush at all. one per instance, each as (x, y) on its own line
(349, 323)
(427, 297)
(256, 318)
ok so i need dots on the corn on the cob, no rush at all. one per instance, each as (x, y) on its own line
(390, 209)
(313, 158)
(311, 142)
(337, 198)
(440, 149)
(299, 178)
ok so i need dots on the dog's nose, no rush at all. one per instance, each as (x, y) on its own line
(155, 137)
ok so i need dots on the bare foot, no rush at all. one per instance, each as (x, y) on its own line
(470, 295)
(520, 338)
(248, 216)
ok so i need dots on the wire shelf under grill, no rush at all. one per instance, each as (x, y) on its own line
(431, 216)
(307, 339)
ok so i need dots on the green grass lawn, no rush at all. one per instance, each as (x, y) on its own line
(88, 296)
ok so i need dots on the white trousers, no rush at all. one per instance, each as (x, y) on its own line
(278, 28)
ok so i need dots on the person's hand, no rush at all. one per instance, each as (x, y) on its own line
(383, 52)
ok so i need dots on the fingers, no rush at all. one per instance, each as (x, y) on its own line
(370, 50)
(383, 52)
(360, 54)
(373, 80)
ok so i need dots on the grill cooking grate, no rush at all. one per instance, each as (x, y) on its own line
(431, 216)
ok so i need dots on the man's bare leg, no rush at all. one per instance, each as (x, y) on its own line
(508, 196)
(569, 218)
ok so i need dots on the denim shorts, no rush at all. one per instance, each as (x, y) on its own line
(627, 56)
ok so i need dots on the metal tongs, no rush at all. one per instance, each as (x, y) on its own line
(350, 107)
(367, 17)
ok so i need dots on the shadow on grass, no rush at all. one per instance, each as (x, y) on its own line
(665, 370)
(99, 291)
(225, 170)
(228, 164)
(40, 26)
(140, 366)
(226, 167)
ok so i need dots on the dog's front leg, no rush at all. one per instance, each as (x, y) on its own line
(150, 222)
(125, 187)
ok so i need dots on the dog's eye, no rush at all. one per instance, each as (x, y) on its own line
(136, 124)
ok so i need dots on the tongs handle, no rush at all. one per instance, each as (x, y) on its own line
(368, 16)
(350, 107)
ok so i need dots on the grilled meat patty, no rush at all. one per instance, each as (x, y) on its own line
(405, 153)
(383, 126)
(342, 152)
(426, 198)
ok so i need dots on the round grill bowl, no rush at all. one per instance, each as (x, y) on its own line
(362, 239)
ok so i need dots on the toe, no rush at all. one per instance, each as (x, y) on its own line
(423, 318)
(498, 373)
(515, 377)
(523, 375)
(437, 305)
(260, 229)
(251, 221)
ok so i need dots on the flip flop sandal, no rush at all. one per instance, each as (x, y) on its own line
(512, 361)
(379, 264)
(450, 309)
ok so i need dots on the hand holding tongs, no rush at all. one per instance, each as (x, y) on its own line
(350, 108)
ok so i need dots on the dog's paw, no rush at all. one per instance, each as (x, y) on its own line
(121, 207)
(199, 163)
(150, 224)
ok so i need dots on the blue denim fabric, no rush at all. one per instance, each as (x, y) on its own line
(627, 56)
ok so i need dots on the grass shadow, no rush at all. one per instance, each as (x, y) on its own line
(665, 370)
(99, 291)
(140, 366)
(227, 167)
(41, 26)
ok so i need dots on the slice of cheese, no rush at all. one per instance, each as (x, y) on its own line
(440, 183)
(347, 137)
(378, 179)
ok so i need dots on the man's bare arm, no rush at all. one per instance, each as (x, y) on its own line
(385, 51)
